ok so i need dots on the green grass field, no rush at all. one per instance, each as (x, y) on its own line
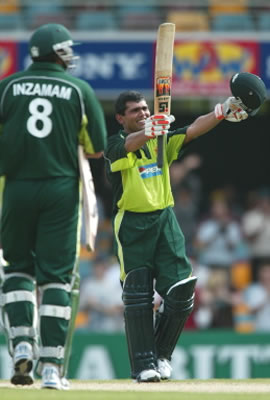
(252, 389)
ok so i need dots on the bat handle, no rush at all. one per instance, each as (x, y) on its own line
(160, 151)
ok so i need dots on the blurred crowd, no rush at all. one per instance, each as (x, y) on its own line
(227, 239)
(195, 15)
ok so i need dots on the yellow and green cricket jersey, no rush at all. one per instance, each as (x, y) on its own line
(138, 184)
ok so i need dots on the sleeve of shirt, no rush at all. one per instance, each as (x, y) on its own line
(175, 142)
(117, 155)
(93, 134)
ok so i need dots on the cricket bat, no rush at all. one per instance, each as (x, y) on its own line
(163, 77)
(89, 200)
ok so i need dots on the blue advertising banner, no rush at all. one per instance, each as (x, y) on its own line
(201, 68)
(110, 66)
(265, 63)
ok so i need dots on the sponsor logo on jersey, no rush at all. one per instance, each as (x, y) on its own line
(150, 170)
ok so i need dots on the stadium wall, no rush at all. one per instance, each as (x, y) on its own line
(199, 355)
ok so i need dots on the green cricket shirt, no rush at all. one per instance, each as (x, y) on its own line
(138, 184)
(45, 112)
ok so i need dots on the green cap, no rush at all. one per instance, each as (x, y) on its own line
(251, 90)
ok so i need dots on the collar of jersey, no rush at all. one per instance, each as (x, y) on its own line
(46, 66)
(123, 133)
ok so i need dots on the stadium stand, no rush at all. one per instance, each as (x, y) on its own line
(217, 7)
(10, 15)
(38, 13)
(196, 15)
(95, 20)
(233, 22)
(144, 21)
(9, 6)
(189, 20)
(263, 21)
(138, 17)
(10, 21)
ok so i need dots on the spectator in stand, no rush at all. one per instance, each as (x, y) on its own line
(219, 241)
(100, 298)
(232, 196)
(200, 316)
(186, 212)
(184, 173)
(257, 299)
(213, 304)
(186, 189)
(256, 228)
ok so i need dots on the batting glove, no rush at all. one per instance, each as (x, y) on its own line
(230, 110)
(158, 125)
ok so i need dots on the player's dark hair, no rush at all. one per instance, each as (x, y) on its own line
(48, 58)
(124, 98)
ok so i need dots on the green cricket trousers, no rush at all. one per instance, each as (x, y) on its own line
(39, 227)
(152, 240)
(39, 232)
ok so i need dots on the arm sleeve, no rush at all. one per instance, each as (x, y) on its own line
(175, 140)
(117, 155)
(93, 134)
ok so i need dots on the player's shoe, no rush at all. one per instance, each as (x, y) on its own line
(22, 364)
(148, 375)
(164, 368)
(65, 383)
(51, 379)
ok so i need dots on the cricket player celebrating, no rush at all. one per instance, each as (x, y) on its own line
(148, 240)
(44, 114)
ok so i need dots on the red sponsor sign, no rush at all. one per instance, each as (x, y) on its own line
(205, 67)
(8, 58)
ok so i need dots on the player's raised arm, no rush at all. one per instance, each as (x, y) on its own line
(248, 92)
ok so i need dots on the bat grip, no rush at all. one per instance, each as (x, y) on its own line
(160, 151)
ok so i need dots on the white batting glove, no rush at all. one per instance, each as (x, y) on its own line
(230, 110)
(158, 125)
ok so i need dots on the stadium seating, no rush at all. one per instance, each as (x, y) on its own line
(263, 21)
(216, 7)
(138, 16)
(232, 22)
(145, 21)
(9, 6)
(43, 12)
(96, 20)
(11, 22)
(189, 20)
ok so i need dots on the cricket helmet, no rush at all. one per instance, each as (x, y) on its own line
(250, 89)
(52, 38)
